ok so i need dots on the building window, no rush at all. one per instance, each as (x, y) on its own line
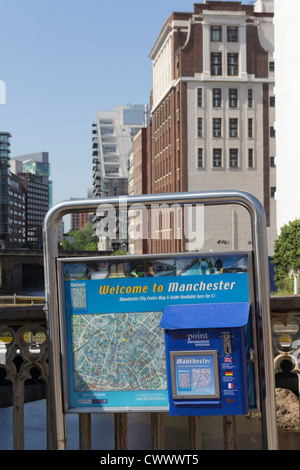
(273, 191)
(233, 127)
(217, 127)
(217, 97)
(199, 97)
(216, 33)
(272, 132)
(250, 98)
(199, 127)
(272, 66)
(106, 130)
(250, 158)
(232, 63)
(216, 63)
(232, 34)
(200, 158)
(233, 158)
(272, 162)
(111, 149)
(233, 97)
(106, 122)
(217, 158)
(250, 128)
(272, 101)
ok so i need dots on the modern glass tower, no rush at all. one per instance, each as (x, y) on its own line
(4, 186)
(38, 165)
(34, 171)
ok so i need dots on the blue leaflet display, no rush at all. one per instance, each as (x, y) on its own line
(195, 375)
(115, 352)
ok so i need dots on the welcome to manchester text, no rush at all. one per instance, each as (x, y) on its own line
(172, 287)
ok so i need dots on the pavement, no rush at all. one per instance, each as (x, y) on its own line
(139, 431)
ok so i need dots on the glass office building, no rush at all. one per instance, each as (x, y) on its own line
(4, 185)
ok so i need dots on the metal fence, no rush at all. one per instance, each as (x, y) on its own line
(21, 300)
(23, 359)
(24, 374)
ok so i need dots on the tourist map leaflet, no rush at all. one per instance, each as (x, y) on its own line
(195, 375)
(115, 353)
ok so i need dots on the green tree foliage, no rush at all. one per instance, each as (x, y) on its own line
(92, 246)
(83, 239)
(66, 245)
(287, 255)
(119, 253)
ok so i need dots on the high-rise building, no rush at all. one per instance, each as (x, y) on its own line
(213, 113)
(36, 164)
(37, 205)
(4, 186)
(113, 134)
(17, 213)
(34, 171)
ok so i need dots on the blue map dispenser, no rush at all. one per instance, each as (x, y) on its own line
(206, 351)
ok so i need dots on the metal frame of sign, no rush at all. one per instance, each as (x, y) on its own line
(89, 293)
(261, 295)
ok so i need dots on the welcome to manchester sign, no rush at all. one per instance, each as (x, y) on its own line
(112, 344)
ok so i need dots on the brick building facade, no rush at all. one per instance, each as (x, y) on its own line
(213, 114)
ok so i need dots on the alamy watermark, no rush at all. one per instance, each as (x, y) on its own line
(2, 92)
(159, 221)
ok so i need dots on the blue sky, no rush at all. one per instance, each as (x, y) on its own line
(63, 60)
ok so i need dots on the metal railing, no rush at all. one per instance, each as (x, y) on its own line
(24, 358)
(24, 355)
(21, 300)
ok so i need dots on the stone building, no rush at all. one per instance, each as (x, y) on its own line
(213, 113)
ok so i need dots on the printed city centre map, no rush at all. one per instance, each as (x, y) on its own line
(118, 352)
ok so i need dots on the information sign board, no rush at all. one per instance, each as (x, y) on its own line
(110, 310)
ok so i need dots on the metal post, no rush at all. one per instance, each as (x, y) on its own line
(85, 431)
(121, 431)
(262, 291)
(194, 428)
(157, 431)
(229, 432)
